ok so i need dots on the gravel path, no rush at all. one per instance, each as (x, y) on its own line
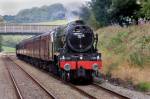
(59, 89)
(29, 89)
(131, 94)
(6, 86)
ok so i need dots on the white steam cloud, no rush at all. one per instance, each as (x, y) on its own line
(73, 10)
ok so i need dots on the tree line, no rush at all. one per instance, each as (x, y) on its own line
(38, 14)
(1, 21)
(122, 12)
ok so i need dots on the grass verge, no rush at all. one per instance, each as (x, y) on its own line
(143, 86)
(126, 52)
(8, 49)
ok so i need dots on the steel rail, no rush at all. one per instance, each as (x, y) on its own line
(110, 91)
(81, 91)
(73, 86)
(17, 89)
(37, 82)
(68, 84)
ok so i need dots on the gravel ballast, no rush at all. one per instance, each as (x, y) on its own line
(29, 89)
(7, 90)
(126, 92)
(55, 86)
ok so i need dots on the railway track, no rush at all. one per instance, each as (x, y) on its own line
(90, 96)
(80, 90)
(16, 86)
(100, 93)
(109, 91)
(94, 85)
(64, 82)
(17, 89)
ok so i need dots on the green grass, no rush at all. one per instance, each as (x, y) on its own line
(128, 52)
(137, 59)
(143, 86)
(8, 49)
(132, 42)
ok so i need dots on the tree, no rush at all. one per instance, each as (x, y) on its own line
(121, 10)
(1, 19)
(0, 43)
(100, 10)
(145, 10)
(38, 14)
(116, 11)
(85, 13)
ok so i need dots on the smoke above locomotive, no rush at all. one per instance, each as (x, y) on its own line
(75, 36)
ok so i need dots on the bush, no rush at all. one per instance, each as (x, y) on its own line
(120, 49)
(136, 59)
(144, 86)
(111, 67)
(117, 43)
(142, 55)
(144, 42)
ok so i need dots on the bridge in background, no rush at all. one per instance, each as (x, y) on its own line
(24, 29)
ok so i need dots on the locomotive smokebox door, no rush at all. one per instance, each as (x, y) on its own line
(80, 38)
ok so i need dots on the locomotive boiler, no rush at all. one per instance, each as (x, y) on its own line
(69, 51)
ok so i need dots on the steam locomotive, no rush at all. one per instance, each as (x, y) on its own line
(69, 51)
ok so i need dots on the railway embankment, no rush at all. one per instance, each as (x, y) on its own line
(126, 55)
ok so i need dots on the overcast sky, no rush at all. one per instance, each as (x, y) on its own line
(12, 7)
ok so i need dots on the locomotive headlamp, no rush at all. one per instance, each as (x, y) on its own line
(67, 67)
(98, 57)
(63, 58)
(81, 57)
(95, 66)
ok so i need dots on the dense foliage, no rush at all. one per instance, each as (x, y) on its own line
(1, 21)
(11, 41)
(145, 11)
(120, 12)
(101, 11)
(0, 43)
(88, 16)
(45, 13)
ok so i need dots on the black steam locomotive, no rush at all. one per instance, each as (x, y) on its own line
(69, 51)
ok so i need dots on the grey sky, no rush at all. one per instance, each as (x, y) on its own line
(11, 7)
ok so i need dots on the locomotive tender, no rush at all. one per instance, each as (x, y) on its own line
(69, 51)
